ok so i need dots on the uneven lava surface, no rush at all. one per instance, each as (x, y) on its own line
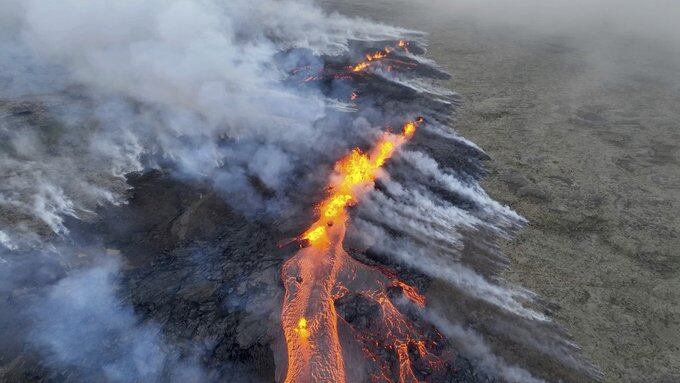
(218, 283)
(237, 287)
(215, 282)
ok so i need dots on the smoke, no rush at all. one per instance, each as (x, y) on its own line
(65, 304)
(6, 241)
(91, 91)
(473, 193)
(439, 222)
(440, 266)
(52, 169)
(430, 231)
(474, 346)
(81, 323)
(179, 54)
(95, 90)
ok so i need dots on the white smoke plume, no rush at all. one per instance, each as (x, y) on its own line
(93, 90)
(90, 89)
(429, 167)
(441, 266)
(433, 231)
(81, 323)
(476, 348)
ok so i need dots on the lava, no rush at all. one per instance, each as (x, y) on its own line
(355, 173)
(371, 57)
(368, 60)
(378, 55)
(323, 272)
(403, 44)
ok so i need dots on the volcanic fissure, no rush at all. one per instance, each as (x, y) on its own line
(322, 272)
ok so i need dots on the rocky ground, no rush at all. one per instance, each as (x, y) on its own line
(584, 144)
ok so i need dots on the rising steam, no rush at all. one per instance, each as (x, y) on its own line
(178, 81)
(257, 99)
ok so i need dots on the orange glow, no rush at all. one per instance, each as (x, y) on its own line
(315, 235)
(322, 272)
(360, 66)
(353, 171)
(370, 58)
(411, 293)
(409, 129)
(335, 205)
(378, 55)
(301, 329)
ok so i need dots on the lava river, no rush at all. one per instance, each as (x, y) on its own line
(323, 272)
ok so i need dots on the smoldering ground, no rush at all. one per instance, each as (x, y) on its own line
(143, 80)
(97, 95)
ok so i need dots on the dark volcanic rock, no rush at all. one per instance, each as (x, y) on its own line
(208, 275)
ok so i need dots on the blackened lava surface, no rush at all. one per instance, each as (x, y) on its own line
(210, 275)
(213, 280)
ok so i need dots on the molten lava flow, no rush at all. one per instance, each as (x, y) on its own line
(301, 329)
(369, 59)
(403, 44)
(323, 272)
(379, 55)
(354, 173)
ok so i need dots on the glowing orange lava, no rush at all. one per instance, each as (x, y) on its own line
(322, 272)
(354, 173)
(378, 55)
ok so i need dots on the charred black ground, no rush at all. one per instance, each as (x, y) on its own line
(208, 274)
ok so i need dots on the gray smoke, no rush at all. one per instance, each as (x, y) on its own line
(91, 91)
(476, 348)
(103, 89)
(82, 323)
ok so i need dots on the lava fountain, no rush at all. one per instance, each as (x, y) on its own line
(323, 272)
